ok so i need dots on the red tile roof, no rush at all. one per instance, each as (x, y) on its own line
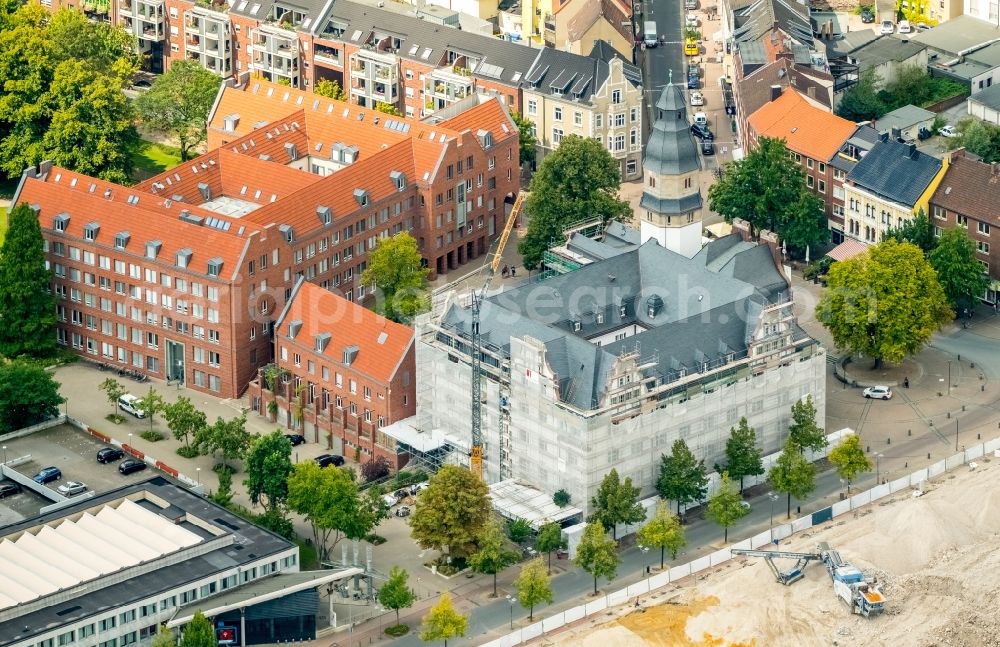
(488, 115)
(970, 187)
(150, 219)
(381, 344)
(806, 129)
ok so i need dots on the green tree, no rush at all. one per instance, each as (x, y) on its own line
(743, 456)
(387, 108)
(978, 137)
(849, 459)
(526, 138)
(27, 308)
(184, 420)
(597, 553)
(549, 539)
(803, 429)
(578, 181)
(792, 474)
(268, 465)
(768, 189)
(164, 638)
(958, 270)
(663, 531)
(862, 101)
(230, 437)
(151, 404)
(396, 270)
(224, 495)
(329, 89)
(917, 230)
(682, 478)
(28, 395)
(113, 389)
(492, 554)
(725, 507)
(108, 49)
(328, 498)
(199, 632)
(885, 304)
(396, 593)
(616, 502)
(451, 512)
(518, 530)
(443, 622)
(178, 104)
(532, 586)
(561, 498)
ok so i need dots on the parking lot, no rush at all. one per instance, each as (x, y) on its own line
(74, 453)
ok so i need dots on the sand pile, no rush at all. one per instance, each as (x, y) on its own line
(937, 558)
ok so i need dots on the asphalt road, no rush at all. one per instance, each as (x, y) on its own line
(658, 62)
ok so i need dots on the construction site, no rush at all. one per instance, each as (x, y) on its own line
(919, 568)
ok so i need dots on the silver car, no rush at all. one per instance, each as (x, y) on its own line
(72, 488)
(878, 392)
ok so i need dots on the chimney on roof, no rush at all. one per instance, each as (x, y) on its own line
(775, 92)
(994, 169)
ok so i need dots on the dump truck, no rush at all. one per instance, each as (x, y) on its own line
(861, 596)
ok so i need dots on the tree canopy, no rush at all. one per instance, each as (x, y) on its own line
(28, 395)
(962, 277)
(549, 539)
(768, 189)
(725, 507)
(526, 138)
(663, 531)
(443, 621)
(451, 512)
(885, 303)
(597, 553)
(151, 405)
(532, 586)
(978, 137)
(578, 181)
(113, 389)
(328, 498)
(616, 502)
(683, 478)
(27, 308)
(849, 459)
(178, 104)
(492, 553)
(396, 593)
(184, 420)
(230, 437)
(803, 430)
(792, 474)
(917, 230)
(329, 89)
(743, 456)
(396, 271)
(268, 465)
(63, 94)
(199, 632)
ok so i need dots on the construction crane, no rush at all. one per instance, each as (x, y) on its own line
(490, 269)
(789, 577)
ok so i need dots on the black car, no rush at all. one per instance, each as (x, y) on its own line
(702, 132)
(295, 439)
(707, 148)
(325, 460)
(109, 455)
(867, 15)
(9, 489)
(130, 465)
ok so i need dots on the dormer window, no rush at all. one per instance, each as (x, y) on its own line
(325, 215)
(153, 248)
(205, 190)
(398, 179)
(485, 139)
(361, 196)
(183, 258)
(293, 328)
(90, 231)
(215, 266)
(121, 239)
(322, 340)
(288, 233)
(60, 222)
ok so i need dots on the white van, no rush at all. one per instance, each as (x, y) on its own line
(128, 404)
(649, 33)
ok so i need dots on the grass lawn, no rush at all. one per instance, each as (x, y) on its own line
(155, 158)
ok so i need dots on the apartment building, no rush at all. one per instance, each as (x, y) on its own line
(342, 374)
(813, 136)
(182, 276)
(599, 96)
(967, 197)
(887, 187)
(571, 25)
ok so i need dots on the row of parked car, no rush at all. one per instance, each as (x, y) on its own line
(51, 474)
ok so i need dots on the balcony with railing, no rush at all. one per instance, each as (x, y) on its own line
(445, 86)
(328, 55)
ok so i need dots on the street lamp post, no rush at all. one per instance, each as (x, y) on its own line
(772, 497)
(949, 378)
(5, 454)
(511, 600)
(198, 470)
(878, 458)
(956, 434)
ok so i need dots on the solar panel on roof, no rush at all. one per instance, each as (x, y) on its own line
(490, 70)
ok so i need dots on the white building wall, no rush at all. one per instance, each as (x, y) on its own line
(553, 447)
(981, 111)
(684, 240)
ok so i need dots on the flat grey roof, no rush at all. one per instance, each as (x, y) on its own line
(957, 34)
(990, 97)
(885, 49)
(902, 117)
